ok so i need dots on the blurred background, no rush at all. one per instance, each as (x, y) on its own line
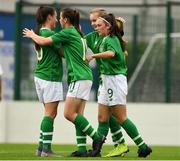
(152, 30)
(145, 20)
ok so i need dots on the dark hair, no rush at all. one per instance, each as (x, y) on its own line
(114, 29)
(73, 17)
(41, 16)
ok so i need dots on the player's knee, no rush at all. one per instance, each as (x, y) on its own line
(121, 119)
(68, 116)
(102, 118)
(51, 114)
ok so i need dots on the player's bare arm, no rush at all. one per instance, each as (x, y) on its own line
(38, 39)
(106, 54)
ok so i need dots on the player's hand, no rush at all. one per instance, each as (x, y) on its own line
(28, 33)
(89, 57)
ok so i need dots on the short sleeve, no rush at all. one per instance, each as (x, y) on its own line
(60, 37)
(111, 45)
(48, 33)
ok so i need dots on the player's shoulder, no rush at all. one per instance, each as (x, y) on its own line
(46, 32)
(70, 31)
(111, 38)
(94, 33)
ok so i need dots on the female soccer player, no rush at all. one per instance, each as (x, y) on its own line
(113, 90)
(94, 40)
(78, 71)
(47, 77)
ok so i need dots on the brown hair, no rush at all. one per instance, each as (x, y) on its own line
(41, 16)
(120, 23)
(73, 17)
(114, 29)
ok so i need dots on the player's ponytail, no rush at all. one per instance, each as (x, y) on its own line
(41, 17)
(120, 24)
(76, 22)
(114, 29)
(73, 17)
(120, 27)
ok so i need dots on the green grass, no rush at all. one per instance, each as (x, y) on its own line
(26, 152)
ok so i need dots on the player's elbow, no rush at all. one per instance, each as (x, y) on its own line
(45, 41)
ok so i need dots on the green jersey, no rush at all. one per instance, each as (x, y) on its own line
(94, 41)
(49, 62)
(116, 64)
(74, 49)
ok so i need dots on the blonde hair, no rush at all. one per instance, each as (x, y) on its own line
(120, 23)
(100, 11)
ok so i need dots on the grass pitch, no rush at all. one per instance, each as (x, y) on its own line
(27, 152)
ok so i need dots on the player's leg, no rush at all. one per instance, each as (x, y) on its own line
(80, 137)
(48, 127)
(116, 131)
(71, 106)
(78, 93)
(120, 112)
(50, 93)
(120, 147)
(103, 110)
(103, 119)
(103, 127)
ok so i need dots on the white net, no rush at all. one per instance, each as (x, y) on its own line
(147, 83)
